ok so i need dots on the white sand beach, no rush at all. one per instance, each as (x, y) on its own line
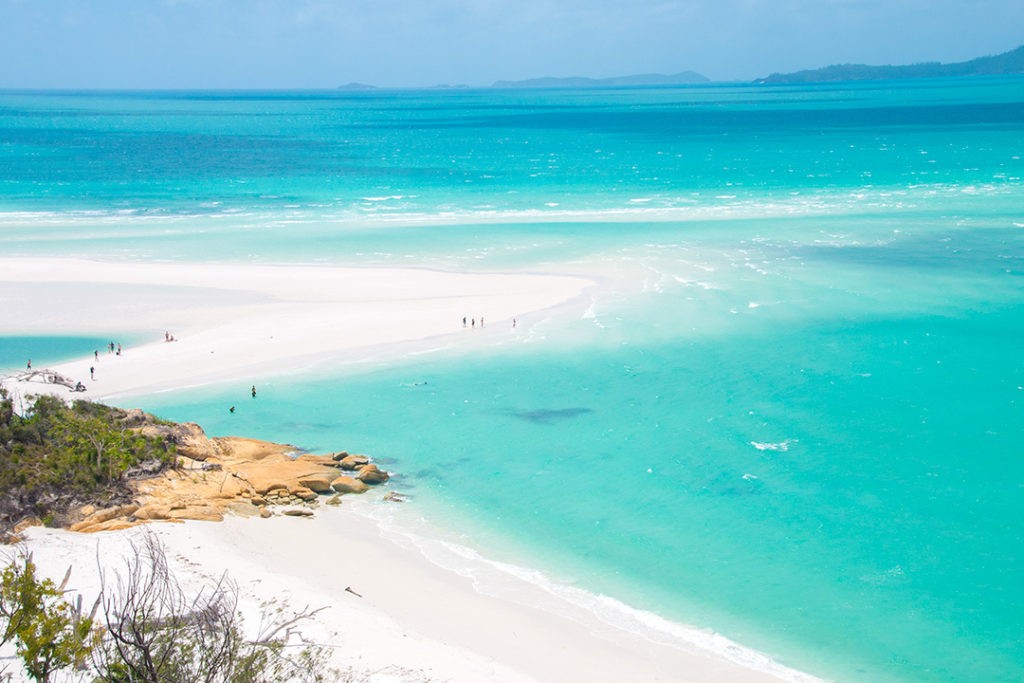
(415, 621)
(249, 322)
(412, 620)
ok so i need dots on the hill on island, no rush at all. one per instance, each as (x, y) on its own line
(682, 78)
(1011, 62)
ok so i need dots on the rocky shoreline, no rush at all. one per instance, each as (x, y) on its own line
(216, 476)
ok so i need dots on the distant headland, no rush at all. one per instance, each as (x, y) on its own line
(1011, 62)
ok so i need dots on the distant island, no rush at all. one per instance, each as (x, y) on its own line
(357, 87)
(1011, 62)
(683, 78)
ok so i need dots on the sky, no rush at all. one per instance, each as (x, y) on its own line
(241, 44)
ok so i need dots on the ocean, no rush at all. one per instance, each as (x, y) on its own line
(789, 412)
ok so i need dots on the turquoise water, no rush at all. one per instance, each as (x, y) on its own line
(791, 409)
(15, 352)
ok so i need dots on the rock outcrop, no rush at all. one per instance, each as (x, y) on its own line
(218, 476)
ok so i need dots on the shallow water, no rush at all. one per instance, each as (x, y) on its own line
(789, 411)
(15, 352)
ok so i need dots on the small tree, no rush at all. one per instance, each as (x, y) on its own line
(155, 632)
(49, 632)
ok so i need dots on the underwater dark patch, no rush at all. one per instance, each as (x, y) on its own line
(549, 415)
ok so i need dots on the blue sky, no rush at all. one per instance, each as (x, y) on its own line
(322, 43)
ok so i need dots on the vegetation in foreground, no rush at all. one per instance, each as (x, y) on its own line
(56, 458)
(144, 628)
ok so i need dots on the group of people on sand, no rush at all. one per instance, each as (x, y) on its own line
(471, 322)
(115, 348)
(110, 349)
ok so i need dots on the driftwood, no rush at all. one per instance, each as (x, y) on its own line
(48, 376)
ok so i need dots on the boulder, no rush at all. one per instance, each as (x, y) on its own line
(353, 462)
(202, 513)
(100, 516)
(349, 485)
(299, 512)
(319, 482)
(303, 493)
(188, 438)
(371, 474)
(151, 512)
(271, 488)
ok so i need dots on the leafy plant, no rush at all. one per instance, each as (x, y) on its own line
(49, 632)
(57, 456)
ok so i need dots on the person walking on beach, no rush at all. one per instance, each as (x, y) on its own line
(92, 372)
(254, 391)
(96, 354)
(119, 349)
(463, 321)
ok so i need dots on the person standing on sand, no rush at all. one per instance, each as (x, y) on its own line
(92, 372)
(96, 354)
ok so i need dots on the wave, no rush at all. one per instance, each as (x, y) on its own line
(780, 446)
(602, 615)
(858, 201)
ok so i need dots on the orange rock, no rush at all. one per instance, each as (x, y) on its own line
(152, 512)
(349, 485)
(354, 462)
(303, 493)
(371, 474)
(320, 482)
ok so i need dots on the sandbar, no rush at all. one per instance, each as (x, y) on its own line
(247, 322)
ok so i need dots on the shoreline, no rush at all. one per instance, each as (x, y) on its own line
(245, 323)
(277, 319)
(410, 614)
